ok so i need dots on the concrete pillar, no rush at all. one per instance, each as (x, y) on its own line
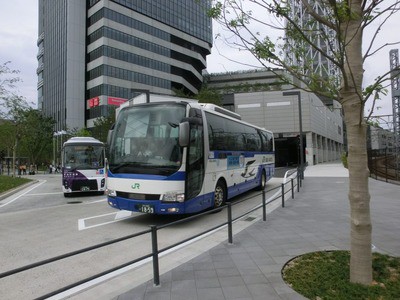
(325, 149)
(320, 149)
(309, 149)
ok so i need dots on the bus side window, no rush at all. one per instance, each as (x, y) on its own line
(266, 141)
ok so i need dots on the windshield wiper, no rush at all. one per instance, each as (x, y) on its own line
(173, 125)
(128, 164)
(166, 167)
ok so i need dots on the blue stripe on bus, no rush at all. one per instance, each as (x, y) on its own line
(224, 154)
(174, 177)
(197, 204)
(239, 188)
(194, 205)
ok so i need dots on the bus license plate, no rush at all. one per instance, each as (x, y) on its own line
(85, 189)
(145, 208)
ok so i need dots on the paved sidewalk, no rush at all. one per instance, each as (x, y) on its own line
(250, 268)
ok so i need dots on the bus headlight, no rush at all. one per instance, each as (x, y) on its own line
(173, 197)
(111, 193)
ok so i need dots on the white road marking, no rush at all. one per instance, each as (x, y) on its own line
(119, 216)
(97, 201)
(99, 280)
(23, 194)
(43, 194)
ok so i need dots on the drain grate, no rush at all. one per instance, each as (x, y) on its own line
(249, 219)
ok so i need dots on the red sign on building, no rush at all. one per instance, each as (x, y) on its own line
(116, 101)
(94, 102)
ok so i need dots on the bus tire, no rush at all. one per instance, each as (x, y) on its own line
(263, 181)
(219, 194)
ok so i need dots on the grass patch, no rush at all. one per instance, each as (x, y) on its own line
(8, 182)
(326, 275)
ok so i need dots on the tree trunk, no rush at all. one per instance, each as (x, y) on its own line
(353, 106)
(359, 197)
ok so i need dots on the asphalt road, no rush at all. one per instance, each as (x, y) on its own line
(38, 223)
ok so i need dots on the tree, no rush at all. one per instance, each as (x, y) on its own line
(337, 36)
(7, 85)
(37, 134)
(12, 106)
(6, 137)
(205, 95)
(83, 132)
(102, 125)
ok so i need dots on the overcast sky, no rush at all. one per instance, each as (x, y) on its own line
(19, 31)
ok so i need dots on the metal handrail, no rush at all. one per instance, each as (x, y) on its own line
(154, 229)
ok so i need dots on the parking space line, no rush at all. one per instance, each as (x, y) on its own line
(97, 201)
(119, 216)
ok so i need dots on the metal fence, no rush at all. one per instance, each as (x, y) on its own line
(384, 164)
(286, 190)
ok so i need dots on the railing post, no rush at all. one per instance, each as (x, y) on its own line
(156, 270)
(298, 183)
(386, 165)
(230, 233)
(264, 208)
(301, 181)
(291, 181)
(283, 194)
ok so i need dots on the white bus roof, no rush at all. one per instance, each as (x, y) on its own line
(142, 98)
(83, 140)
(221, 110)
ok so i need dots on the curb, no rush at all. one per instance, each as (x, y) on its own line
(13, 191)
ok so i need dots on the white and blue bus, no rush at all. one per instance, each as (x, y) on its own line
(180, 157)
(83, 166)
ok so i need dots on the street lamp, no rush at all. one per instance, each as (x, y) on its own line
(54, 147)
(297, 93)
(55, 136)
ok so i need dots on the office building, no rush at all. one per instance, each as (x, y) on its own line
(95, 54)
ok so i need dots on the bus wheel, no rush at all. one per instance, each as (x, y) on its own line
(263, 182)
(219, 194)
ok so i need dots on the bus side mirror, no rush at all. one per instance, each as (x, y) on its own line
(109, 134)
(184, 129)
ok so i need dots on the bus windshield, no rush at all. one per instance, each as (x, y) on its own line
(83, 157)
(145, 140)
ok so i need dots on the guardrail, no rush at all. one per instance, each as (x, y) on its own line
(292, 179)
(384, 165)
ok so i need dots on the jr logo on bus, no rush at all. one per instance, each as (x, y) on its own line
(135, 186)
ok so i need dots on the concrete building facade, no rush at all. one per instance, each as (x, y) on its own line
(381, 139)
(322, 125)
